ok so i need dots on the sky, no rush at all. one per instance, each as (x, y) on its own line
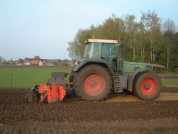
(44, 27)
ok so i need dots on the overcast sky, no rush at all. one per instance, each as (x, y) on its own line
(44, 27)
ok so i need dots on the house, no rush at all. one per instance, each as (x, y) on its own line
(35, 62)
(27, 62)
(41, 63)
(54, 61)
(49, 64)
(71, 62)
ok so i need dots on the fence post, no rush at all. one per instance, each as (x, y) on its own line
(11, 80)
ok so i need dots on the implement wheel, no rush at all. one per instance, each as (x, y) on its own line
(35, 100)
(147, 86)
(92, 83)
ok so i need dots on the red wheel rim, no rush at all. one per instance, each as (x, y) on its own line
(148, 86)
(94, 84)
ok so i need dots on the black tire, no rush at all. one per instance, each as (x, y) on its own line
(92, 83)
(147, 86)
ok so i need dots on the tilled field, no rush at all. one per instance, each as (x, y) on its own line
(77, 116)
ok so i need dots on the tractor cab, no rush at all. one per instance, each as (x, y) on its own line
(102, 49)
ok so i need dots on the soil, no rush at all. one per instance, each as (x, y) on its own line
(76, 116)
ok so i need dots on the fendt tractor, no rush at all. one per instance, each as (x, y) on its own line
(101, 71)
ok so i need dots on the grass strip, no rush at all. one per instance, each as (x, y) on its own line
(26, 77)
(169, 83)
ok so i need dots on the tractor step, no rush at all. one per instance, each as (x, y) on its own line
(117, 83)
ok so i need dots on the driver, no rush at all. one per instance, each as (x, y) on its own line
(96, 50)
(94, 53)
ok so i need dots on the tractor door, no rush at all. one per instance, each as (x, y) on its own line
(109, 54)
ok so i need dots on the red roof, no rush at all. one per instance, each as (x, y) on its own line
(35, 61)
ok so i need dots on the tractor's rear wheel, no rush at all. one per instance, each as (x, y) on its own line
(147, 86)
(92, 83)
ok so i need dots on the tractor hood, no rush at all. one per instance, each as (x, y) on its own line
(132, 66)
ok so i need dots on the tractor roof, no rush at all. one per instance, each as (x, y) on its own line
(100, 41)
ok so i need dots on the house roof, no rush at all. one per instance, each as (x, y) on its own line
(54, 61)
(35, 61)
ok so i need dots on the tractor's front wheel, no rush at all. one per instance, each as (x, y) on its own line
(92, 83)
(147, 86)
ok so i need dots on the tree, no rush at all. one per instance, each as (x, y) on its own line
(20, 61)
(1, 59)
(37, 57)
(144, 39)
(153, 29)
(76, 48)
(132, 31)
(169, 39)
(25, 58)
(64, 62)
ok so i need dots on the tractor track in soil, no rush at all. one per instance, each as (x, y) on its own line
(77, 116)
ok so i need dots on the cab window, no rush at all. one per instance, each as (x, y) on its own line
(93, 51)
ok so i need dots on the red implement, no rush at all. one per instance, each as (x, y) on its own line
(53, 93)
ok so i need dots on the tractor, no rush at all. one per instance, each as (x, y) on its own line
(101, 71)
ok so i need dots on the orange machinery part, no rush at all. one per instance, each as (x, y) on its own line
(53, 93)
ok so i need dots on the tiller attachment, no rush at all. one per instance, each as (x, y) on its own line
(52, 91)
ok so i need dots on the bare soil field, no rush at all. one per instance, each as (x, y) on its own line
(115, 115)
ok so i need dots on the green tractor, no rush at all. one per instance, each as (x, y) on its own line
(102, 71)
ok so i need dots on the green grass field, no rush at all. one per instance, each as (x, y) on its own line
(26, 77)
(169, 83)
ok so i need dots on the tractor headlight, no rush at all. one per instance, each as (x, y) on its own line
(77, 62)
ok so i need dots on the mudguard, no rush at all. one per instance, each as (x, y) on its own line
(88, 61)
(132, 77)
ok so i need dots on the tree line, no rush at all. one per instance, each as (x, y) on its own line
(148, 40)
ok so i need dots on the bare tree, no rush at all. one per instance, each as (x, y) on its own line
(169, 38)
(153, 28)
(132, 32)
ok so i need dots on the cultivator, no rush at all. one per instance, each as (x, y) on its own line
(50, 91)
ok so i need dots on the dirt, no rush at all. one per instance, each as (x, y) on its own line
(76, 116)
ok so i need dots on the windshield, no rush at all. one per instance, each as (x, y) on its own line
(86, 51)
(91, 51)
